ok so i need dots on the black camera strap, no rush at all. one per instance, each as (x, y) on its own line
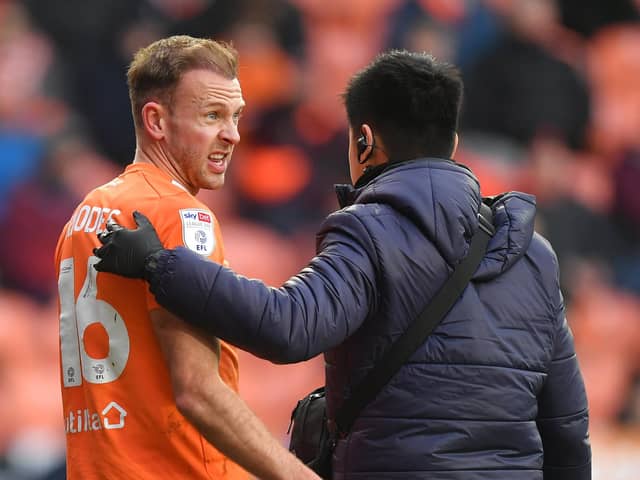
(420, 329)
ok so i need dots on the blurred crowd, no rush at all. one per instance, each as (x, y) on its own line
(552, 107)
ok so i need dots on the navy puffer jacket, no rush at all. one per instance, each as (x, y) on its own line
(494, 393)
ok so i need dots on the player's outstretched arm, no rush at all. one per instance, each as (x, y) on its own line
(214, 409)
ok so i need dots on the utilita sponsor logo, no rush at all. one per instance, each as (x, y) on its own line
(112, 417)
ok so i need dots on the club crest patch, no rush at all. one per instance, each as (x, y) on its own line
(197, 230)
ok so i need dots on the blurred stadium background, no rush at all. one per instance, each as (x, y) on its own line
(552, 107)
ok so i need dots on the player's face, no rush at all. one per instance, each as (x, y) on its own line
(203, 128)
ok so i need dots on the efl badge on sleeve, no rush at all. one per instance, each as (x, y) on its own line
(197, 231)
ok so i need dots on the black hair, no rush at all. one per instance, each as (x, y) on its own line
(411, 100)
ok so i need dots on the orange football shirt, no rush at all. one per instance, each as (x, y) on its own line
(121, 421)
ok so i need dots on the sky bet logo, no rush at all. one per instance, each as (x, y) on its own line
(196, 215)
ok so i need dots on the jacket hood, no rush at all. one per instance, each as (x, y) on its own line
(442, 199)
(513, 218)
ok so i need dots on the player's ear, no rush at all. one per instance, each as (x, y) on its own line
(153, 120)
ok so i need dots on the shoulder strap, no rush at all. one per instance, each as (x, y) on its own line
(420, 329)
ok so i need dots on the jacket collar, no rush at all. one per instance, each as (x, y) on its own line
(347, 193)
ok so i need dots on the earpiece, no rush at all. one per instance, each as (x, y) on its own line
(362, 146)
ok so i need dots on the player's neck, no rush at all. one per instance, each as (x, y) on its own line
(155, 155)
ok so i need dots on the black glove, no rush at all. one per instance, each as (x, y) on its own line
(124, 251)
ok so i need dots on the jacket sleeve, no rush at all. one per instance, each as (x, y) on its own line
(310, 313)
(563, 415)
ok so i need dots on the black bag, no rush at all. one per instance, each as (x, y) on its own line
(312, 441)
